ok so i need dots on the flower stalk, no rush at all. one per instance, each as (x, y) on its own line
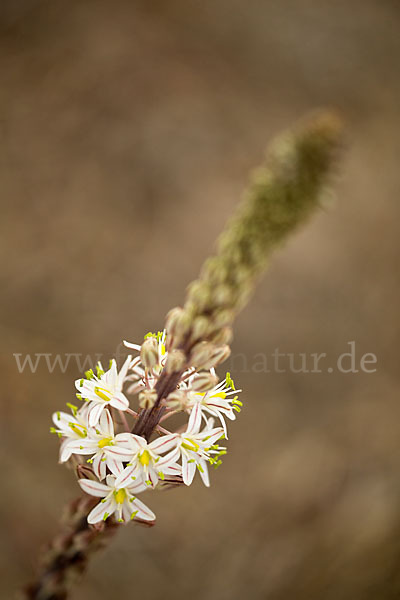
(283, 194)
(175, 369)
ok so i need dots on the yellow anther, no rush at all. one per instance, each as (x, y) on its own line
(120, 496)
(219, 395)
(104, 442)
(78, 429)
(145, 458)
(190, 445)
(101, 395)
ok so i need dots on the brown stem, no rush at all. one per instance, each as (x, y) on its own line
(68, 554)
(149, 418)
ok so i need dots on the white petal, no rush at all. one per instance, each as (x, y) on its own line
(62, 420)
(116, 467)
(100, 510)
(126, 440)
(204, 472)
(212, 435)
(123, 371)
(194, 419)
(134, 346)
(164, 443)
(95, 411)
(118, 452)
(125, 478)
(169, 458)
(99, 466)
(119, 401)
(65, 451)
(106, 424)
(110, 481)
(136, 487)
(83, 446)
(188, 470)
(110, 377)
(173, 469)
(153, 476)
(94, 488)
(140, 441)
(144, 513)
(127, 510)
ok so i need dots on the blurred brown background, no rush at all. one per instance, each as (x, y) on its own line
(127, 133)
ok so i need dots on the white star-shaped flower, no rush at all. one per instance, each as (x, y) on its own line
(221, 401)
(71, 428)
(145, 378)
(198, 447)
(116, 499)
(103, 446)
(146, 463)
(105, 390)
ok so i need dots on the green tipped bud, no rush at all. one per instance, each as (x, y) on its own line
(176, 361)
(147, 398)
(201, 354)
(177, 400)
(149, 353)
(204, 382)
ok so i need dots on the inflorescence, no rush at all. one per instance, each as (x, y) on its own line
(114, 463)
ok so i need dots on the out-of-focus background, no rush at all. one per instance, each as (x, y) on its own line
(128, 129)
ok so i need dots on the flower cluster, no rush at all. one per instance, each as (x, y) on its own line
(113, 462)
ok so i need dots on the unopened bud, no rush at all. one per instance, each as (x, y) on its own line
(176, 361)
(223, 318)
(220, 355)
(177, 400)
(222, 336)
(214, 271)
(172, 320)
(222, 295)
(201, 354)
(198, 293)
(149, 353)
(177, 325)
(204, 382)
(147, 398)
(243, 296)
(200, 328)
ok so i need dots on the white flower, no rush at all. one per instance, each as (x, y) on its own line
(105, 390)
(217, 401)
(103, 446)
(146, 463)
(147, 378)
(71, 428)
(116, 499)
(198, 447)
